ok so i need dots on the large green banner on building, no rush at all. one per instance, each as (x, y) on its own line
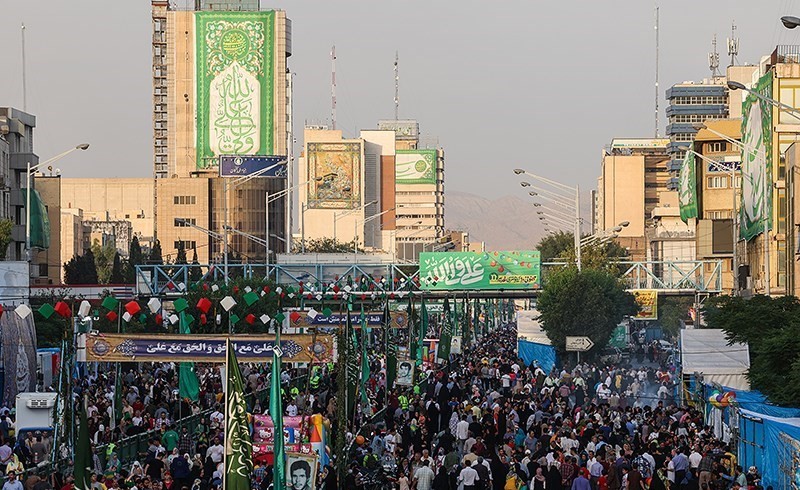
(479, 270)
(687, 187)
(234, 84)
(756, 161)
(415, 166)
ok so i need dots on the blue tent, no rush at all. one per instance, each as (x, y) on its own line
(772, 444)
(545, 355)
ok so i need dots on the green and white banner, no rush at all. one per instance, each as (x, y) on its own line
(415, 166)
(234, 84)
(479, 270)
(687, 187)
(756, 161)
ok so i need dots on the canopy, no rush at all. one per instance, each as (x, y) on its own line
(532, 341)
(706, 351)
(772, 445)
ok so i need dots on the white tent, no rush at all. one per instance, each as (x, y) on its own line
(706, 351)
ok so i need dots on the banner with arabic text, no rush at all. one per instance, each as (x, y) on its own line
(647, 300)
(480, 270)
(397, 319)
(207, 348)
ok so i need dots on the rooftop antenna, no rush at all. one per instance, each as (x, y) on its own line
(656, 98)
(733, 44)
(24, 77)
(333, 87)
(396, 86)
(713, 59)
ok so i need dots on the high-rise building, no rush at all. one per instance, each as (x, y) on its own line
(419, 189)
(632, 180)
(220, 87)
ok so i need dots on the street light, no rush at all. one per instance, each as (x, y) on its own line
(29, 173)
(338, 216)
(272, 198)
(734, 85)
(576, 207)
(790, 21)
(365, 221)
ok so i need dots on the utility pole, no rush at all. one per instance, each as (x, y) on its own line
(24, 74)
(333, 87)
(396, 86)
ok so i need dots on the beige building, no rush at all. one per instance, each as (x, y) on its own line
(632, 180)
(49, 259)
(194, 53)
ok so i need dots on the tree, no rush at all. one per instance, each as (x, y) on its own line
(325, 245)
(155, 254)
(81, 269)
(556, 245)
(104, 260)
(117, 270)
(588, 303)
(6, 225)
(560, 246)
(771, 328)
(180, 257)
(135, 257)
(671, 310)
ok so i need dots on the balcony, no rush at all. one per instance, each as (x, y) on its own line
(785, 53)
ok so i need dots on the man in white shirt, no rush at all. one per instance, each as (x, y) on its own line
(694, 458)
(469, 477)
(291, 410)
(215, 451)
(462, 433)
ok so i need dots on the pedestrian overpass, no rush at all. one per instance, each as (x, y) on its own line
(668, 277)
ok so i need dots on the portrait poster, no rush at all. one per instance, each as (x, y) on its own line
(405, 372)
(301, 471)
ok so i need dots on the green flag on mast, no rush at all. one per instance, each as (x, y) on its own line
(276, 413)
(238, 446)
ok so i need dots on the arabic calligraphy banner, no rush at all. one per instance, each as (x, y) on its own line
(415, 166)
(479, 270)
(207, 348)
(647, 299)
(398, 319)
(234, 84)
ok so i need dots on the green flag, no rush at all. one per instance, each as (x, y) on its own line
(238, 447)
(446, 335)
(352, 360)
(391, 350)
(188, 385)
(423, 330)
(276, 412)
(687, 187)
(118, 395)
(757, 130)
(364, 359)
(83, 454)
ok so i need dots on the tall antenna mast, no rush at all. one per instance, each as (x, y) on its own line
(24, 74)
(333, 87)
(396, 86)
(656, 98)
(733, 44)
(713, 59)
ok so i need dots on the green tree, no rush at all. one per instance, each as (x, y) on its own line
(671, 310)
(588, 303)
(104, 260)
(771, 328)
(180, 256)
(117, 270)
(135, 257)
(195, 274)
(560, 246)
(6, 225)
(325, 245)
(556, 245)
(81, 269)
(155, 254)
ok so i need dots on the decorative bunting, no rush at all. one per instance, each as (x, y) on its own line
(126, 317)
(227, 303)
(84, 309)
(312, 313)
(46, 310)
(203, 319)
(173, 319)
(159, 319)
(250, 318)
(235, 319)
(280, 317)
(132, 307)
(294, 316)
(62, 309)
(110, 303)
(327, 311)
(250, 298)
(142, 318)
(23, 311)
(215, 288)
(112, 316)
(154, 304)
(204, 304)
(264, 319)
(180, 304)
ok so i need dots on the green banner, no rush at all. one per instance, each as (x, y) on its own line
(415, 166)
(756, 161)
(619, 337)
(40, 221)
(687, 187)
(479, 270)
(234, 84)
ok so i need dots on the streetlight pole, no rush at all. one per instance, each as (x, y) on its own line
(29, 173)
(364, 222)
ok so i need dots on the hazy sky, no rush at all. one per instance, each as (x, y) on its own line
(502, 84)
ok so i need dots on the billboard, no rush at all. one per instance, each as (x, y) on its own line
(647, 299)
(479, 270)
(338, 166)
(243, 165)
(756, 161)
(234, 84)
(415, 166)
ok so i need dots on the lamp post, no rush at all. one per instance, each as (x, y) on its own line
(364, 222)
(790, 21)
(29, 173)
(562, 201)
(338, 216)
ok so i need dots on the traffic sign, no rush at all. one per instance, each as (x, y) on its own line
(579, 344)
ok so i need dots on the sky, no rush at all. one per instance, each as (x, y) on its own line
(502, 85)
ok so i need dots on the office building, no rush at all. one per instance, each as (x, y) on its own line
(195, 51)
(419, 189)
(633, 180)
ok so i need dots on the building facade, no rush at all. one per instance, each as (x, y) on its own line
(16, 130)
(202, 57)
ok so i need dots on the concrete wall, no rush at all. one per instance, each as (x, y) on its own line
(623, 194)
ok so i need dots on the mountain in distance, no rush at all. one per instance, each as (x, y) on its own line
(506, 223)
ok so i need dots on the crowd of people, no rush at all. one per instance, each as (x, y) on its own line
(485, 420)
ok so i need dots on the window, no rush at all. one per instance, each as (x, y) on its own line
(184, 200)
(187, 244)
(716, 147)
(184, 222)
(718, 214)
(717, 182)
